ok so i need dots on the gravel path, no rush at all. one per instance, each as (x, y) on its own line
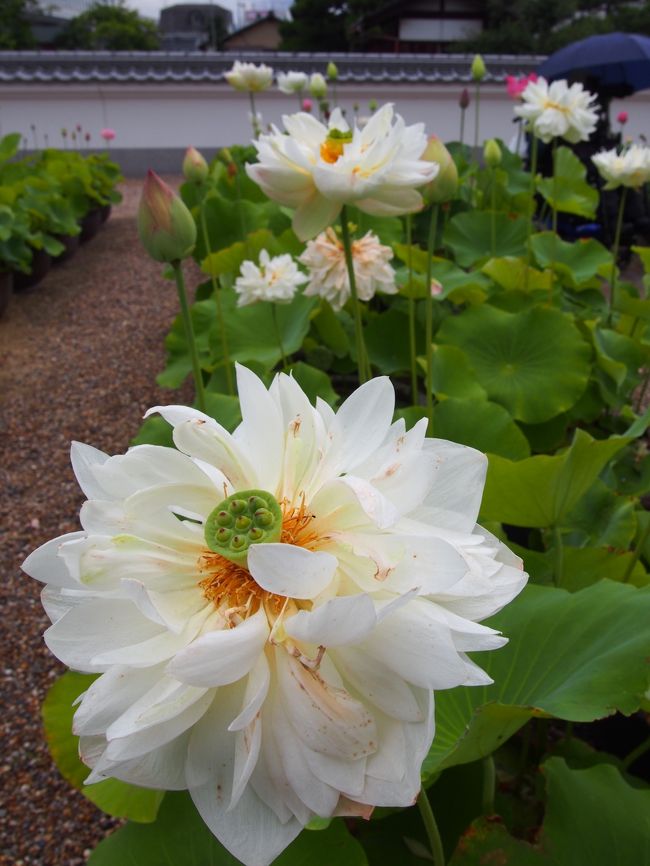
(78, 359)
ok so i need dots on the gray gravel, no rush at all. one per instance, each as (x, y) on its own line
(78, 359)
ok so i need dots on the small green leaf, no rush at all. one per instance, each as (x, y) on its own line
(512, 274)
(578, 262)
(568, 190)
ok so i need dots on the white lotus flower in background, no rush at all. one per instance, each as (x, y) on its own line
(249, 77)
(270, 610)
(328, 274)
(274, 279)
(558, 110)
(292, 82)
(317, 85)
(316, 169)
(630, 167)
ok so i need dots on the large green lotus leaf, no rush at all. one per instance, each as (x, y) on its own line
(179, 365)
(644, 254)
(580, 261)
(458, 285)
(314, 382)
(541, 490)
(603, 518)
(569, 192)
(593, 816)
(230, 221)
(481, 424)
(451, 374)
(180, 838)
(583, 566)
(535, 363)
(387, 341)
(512, 274)
(576, 656)
(619, 356)
(330, 330)
(116, 798)
(469, 235)
(229, 259)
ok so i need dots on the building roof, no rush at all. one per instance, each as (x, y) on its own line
(158, 67)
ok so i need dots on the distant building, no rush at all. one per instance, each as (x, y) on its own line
(419, 26)
(67, 8)
(262, 34)
(193, 26)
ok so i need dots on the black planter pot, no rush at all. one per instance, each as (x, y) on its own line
(71, 244)
(41, 264)
(105, 212)
(6, 288)
(90, 225)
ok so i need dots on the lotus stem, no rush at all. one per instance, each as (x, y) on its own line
(518, 144)
(278, 336)
(553, 222)
(428, 321)
(493, 206)
(489, 785)
(216, 289)
(462, 125)
(431, 827)
(189, 334)
(638, 550)
(254, 123)
(362, 357)
(533, 172)
(635, 754)
(412, 346)
(617, 240)
(476, 118)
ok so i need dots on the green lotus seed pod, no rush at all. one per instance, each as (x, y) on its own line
(254, 515)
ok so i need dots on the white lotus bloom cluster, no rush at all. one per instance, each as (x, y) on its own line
(558, 110)
(248, 77)
(316, 169)
(292, 82)
(324, 258)
(273, 279)
(629, 167)
(271, 610)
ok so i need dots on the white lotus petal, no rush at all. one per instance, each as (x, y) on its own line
(284, 569)
(343, 620)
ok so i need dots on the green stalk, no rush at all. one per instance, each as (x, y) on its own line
(617, 240)
(254, 123)
(412, 347)
(189, 334)
(428, 309)
(635, 754)
(559, 556)
(362, 356)
(278, 335)
(533, 173)
(431, 827)
(638, 550)
(493, 224)
(554, 222)
(489, 785)
(216, 288)
(519, 125)
(462, 125)
(476, 116)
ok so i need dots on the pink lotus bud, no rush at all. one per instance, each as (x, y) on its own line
(445, 183)
(436, 288)
(307, 105)
(622, 117)
(195, 168)
(78, 127)
(464, 99)
(165, 225)
(87, 136)
(107, 134)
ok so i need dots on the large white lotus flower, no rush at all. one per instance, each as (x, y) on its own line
(317, 169)
(328, 273)
(249, 77)
(292, 82)
(630, 167)
(274, 279)
(558, 110)
(270, 611)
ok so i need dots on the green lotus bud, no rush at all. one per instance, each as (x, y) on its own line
(317, 86)
(478, 68)
(372, 105)
(244, 518)
(195, 168)
(332, 71)
(491, 153)
(444, 185)
(166, 227)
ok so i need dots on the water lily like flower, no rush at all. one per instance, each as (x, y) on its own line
(270, 610)
(249, 77)
(328, 274)
(316, 169)
(107, 134)
(274, 279)
(558, 110)
(630, 167)
(292, 82)
(516, 86)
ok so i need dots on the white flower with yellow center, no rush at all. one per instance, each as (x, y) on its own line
(328, 274)
(558, 110)
(248, 77)
(274, 279)
(316, 169)
(630, 167)
(292, 82)
(271, 610)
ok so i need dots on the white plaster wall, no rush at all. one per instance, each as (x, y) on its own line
(174, 116)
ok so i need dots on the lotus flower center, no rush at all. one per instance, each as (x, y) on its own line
(332, 148)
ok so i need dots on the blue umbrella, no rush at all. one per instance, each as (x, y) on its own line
(617, 64)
